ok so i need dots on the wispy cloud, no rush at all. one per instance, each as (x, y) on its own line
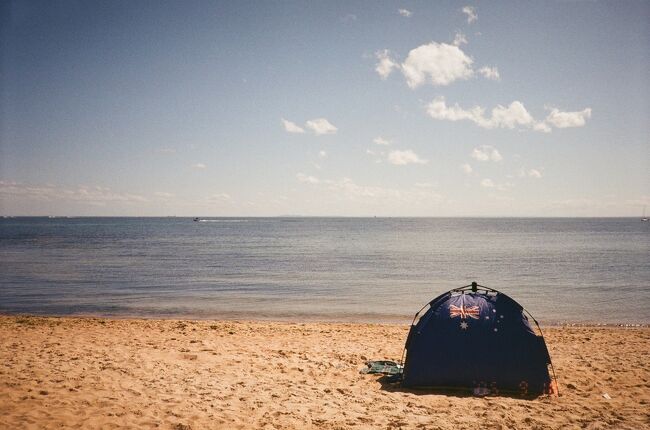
(307, 179)
(534, 173)
(459, 39)
(349, 189)
(163, 195)
(529, 173)
(321, 126)
(405, 13)
(199, 166)
(322, 154)
(318, 126)
(512, 116)
(425, 185)
(486, 153)
(466, 168)
(385, 64)
(167, 150)
(561, 119)
(218, 198)
(502, 117)
(402, 158)
(380, 141)
(491, 73)
(377, 155)
(95, 195)
(471, 14)
(487, 183)
(291, 127)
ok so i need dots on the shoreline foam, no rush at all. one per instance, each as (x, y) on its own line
(302, 318)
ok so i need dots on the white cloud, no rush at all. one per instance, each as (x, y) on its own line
(385, 65)
(470, 11)
(401, 158)
(307, 179)
(352, 190)
(380, 141)
(378, 155)
(318, 126)
(98, 196)
(322, 154)
(529, 173)
(561, 119)
(220, 197)
(541, 126)
(510, 117)
(425, 185)
(466, 168)
(486, 153)
(405, 13)
(199, 166)
(487, 183)
(459, 39)
(321, 126)
(163, 194)
(505, 186)
(438, 109)
(439, 63)
(491, 73)
(291, 127)
(347, 188)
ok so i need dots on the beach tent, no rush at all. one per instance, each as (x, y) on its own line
(479, 339)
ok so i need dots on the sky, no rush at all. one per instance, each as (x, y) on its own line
(154, 108)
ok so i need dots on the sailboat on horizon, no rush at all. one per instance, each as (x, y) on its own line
(644, 217)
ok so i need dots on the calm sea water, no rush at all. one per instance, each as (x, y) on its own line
(372, 269)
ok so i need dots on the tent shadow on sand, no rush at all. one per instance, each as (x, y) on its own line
(474, 341)
(389, 385)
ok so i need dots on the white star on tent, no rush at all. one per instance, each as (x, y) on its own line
(496, 329)
(464, 325)
(487, 317)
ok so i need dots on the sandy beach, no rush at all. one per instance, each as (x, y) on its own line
(169, 374)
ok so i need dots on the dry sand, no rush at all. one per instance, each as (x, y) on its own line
(96, 373)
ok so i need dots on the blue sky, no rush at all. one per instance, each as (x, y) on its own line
(333, 108)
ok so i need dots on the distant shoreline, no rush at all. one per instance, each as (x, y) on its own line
(319, 216)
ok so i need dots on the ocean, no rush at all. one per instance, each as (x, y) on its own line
(563, 270)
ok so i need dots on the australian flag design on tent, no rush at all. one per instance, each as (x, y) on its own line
(475, 339)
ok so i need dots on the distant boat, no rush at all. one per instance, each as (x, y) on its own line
(197, 219)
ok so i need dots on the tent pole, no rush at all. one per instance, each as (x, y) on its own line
(557, 386)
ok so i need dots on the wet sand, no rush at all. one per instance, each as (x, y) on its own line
(169, 374)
